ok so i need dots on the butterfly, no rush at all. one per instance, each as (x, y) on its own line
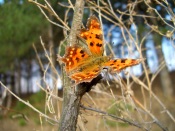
(84, 64)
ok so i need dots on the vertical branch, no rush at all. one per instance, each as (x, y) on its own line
(71, 101)
(77, 20)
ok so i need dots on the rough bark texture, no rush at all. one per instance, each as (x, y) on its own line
(71, 99)
(70, 112)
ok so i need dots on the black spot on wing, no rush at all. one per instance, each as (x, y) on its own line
(99, 45)
(98, 36)
(82, 52)
(123, 60)
(77, 59)
(91, 44)
(95, 71)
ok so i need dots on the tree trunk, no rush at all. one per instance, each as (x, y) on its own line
(9, 101)
(165, 79)
(18, 78)
(70, 111)
(71, 100)
(41, 75)
(29, 68)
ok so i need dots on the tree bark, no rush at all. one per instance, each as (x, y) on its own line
(70, 111)
(71, 99)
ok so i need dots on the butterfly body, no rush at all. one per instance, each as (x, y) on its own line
(94, 61)
(84, 64)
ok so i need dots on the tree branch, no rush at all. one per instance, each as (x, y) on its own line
(115, 117)
(71, 100)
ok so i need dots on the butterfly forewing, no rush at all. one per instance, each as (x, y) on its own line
(74, 57)
(93, 36)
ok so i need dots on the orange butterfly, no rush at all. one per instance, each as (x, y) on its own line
(83, 65)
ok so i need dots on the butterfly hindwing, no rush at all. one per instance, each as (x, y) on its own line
(85, 76)
(120, 64)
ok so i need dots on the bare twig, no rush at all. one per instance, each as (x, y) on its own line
(28, 104)
(114, 117)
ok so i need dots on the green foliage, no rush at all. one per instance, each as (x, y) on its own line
(37, 121)
(37, 100)
(38, 97)
(111, 123)
(21, 26)
(1, 117)
(117, 110)
(22, 122)
(20, 106)
(115, 124)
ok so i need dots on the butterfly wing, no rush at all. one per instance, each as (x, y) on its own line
(120, 64)
(93, 36)
(73, 57)
(85, 76)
